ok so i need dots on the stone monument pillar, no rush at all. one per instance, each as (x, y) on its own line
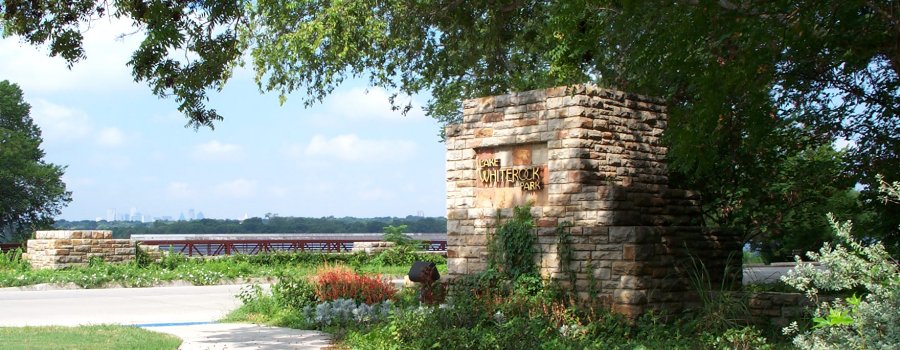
(591, 158)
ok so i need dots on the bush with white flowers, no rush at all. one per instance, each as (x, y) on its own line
(867, 321)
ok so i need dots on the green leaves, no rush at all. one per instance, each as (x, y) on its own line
(835, 318)
(511, 248)
(31, 191)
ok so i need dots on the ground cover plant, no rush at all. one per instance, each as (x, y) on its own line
(508, 306)
(14, 271)
(98, 337)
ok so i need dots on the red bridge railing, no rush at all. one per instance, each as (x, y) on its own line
(211, 247)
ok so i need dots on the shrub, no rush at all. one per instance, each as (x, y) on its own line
(397, 255)
(12, 260)
(397, 234)
(746, 338)
(340, 282)
(171, 260)
(294, 292)
(141, 258)
(868, 322)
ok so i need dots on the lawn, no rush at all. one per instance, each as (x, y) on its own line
(86, 337)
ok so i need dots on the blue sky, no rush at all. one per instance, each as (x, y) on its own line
(125, 148)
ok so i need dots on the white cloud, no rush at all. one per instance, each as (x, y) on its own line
(374, 104)
(215, 150)
(240, 188)
(180, 190)
(104, 68)
(59, 123)
(111, 137)
(352, 148)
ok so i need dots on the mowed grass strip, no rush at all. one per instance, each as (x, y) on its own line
(86, 337)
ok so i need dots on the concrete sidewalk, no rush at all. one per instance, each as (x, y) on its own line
(237, 336)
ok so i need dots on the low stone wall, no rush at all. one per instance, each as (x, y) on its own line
(778, 309)
(60, 249)
(371, 247)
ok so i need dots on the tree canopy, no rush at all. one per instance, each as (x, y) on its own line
(755, 88)
(31, 190)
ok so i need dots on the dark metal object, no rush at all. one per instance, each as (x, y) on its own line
(4, 247)
(424, 272)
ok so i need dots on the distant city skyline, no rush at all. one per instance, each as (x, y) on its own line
(135, 215)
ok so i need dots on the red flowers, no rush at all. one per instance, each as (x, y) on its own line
(341, 282)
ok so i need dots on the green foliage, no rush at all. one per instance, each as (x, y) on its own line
(397, 255)
(12, 260)
(566, 255)
(258, 306)
(31, 190)
(746, 338)
(722, 307)
(141, 258)
(488, 312)
(294, 291)
(171, 260)
(512, 245)
(868, 322)
(397, 235)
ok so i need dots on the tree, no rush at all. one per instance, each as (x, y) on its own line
(31, 190)
(751, 85)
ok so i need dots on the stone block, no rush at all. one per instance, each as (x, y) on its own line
(457, 266)
(630, 297)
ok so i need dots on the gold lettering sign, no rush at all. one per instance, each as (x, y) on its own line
(527, 178)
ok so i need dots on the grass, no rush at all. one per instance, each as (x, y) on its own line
(197, 271)
(753, 258)
(264, 309)
(86, 337)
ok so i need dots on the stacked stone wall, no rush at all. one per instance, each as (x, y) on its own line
(779, 309)
(60, 249)
(601, 166)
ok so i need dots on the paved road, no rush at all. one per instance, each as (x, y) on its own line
(768, 273)
(117, 305)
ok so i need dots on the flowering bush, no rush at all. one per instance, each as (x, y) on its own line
(340, 282)
(868, 322)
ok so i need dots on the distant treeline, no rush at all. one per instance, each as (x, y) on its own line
(276, 224)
